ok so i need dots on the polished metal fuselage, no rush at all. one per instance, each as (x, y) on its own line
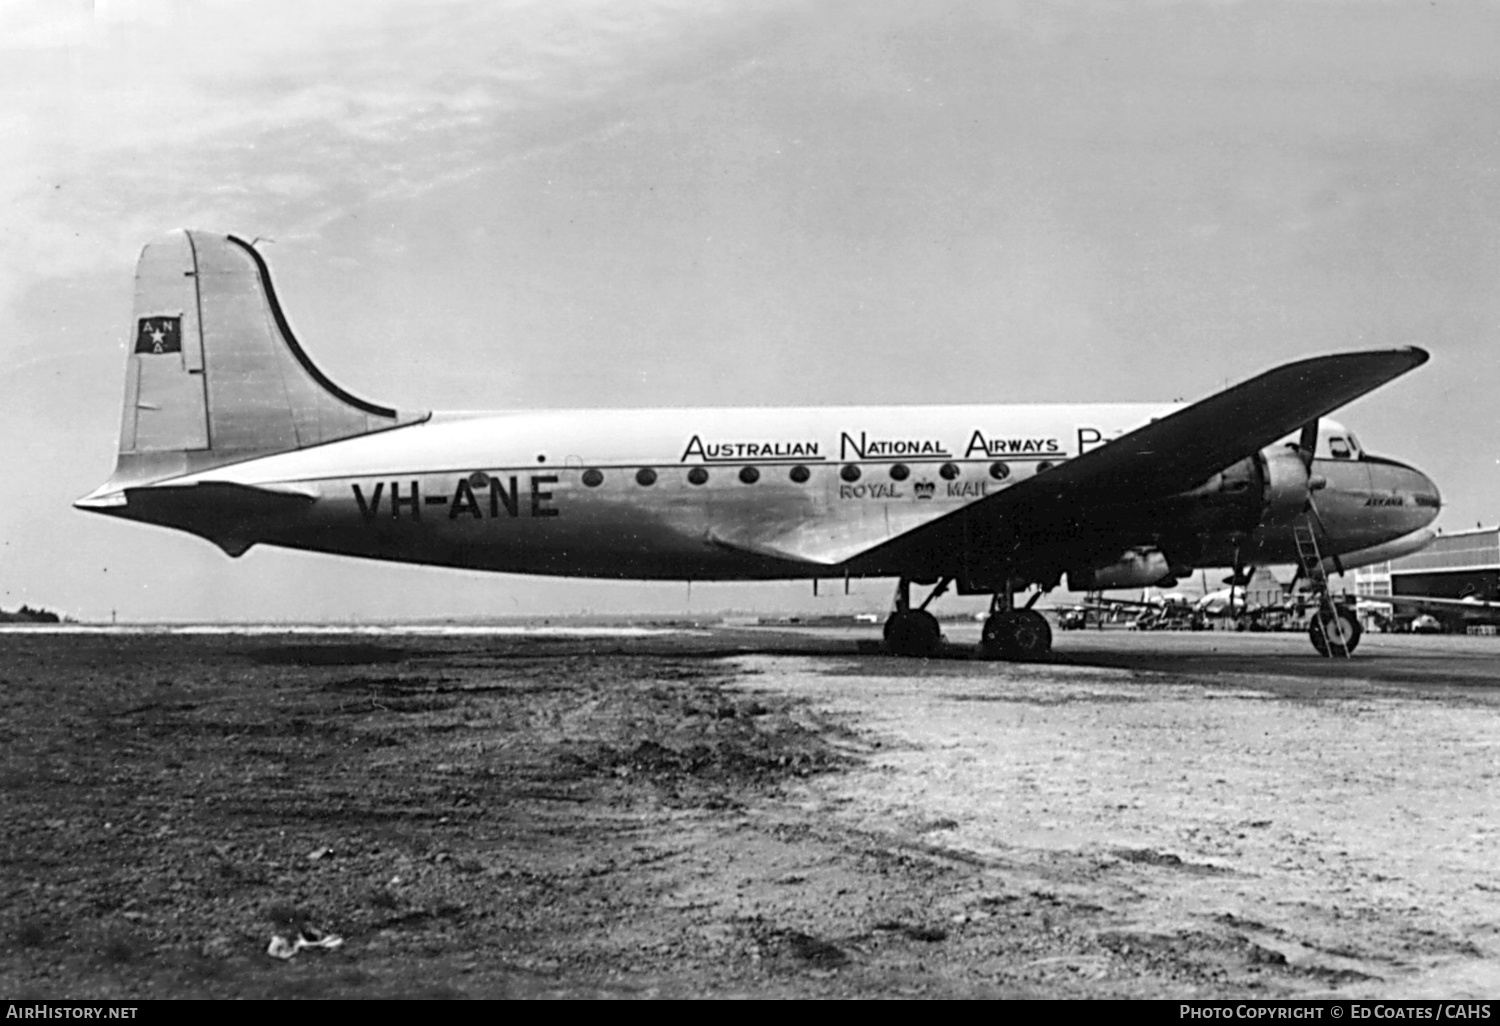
(737, 494)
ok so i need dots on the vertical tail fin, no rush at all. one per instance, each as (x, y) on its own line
(215, 374)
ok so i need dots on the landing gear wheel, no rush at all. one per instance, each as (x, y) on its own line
(913, 632)
(1021, 634)
(1335, 635)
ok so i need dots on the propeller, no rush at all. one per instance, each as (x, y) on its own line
(1307, 446)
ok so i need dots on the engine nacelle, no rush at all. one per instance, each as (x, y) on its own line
(1285, 487)
(1138, 568)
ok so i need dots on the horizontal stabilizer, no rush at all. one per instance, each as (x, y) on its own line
(229, 514)
(224, 494)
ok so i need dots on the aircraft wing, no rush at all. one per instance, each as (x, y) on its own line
(1488, 611)
(1167, 456)
(1185, 448)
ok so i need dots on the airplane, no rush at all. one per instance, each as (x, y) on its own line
(1151, 612)
(232, 433)
(1175, 611)
(1231, 604)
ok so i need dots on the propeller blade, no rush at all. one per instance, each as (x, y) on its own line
(1307, 444)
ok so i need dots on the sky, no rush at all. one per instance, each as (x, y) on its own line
(510, 204)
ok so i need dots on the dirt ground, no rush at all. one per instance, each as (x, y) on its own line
(741, 812)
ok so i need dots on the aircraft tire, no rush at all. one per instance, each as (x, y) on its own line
(913, 633)
(1326, 637)
(1022, 635)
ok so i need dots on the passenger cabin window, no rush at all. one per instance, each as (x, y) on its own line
(1339, 448)
(749, 475)
(697, 476)
(900, 472)
(849, 473)
(645, 477)
(800, 474)
(593, 478)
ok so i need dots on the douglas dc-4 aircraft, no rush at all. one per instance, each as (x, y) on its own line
(232, 433)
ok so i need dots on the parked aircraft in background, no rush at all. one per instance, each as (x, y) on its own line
(1453, 615)
(1152, 611)
(232, 433)
(1173, 611)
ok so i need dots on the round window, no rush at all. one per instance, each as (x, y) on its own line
(949, 471)
(749, 475)
(697, 476)
(800, 474)
(645, 477)
(593, 478)
(850, 473)
(900, 472)
(999, 471)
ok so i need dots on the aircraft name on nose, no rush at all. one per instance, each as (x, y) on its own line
(1385, 500)
(491, 497)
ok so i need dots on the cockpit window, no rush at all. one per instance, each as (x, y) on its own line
(1359, 450)
(1339, 448)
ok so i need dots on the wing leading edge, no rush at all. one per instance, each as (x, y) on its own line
(1187, 447)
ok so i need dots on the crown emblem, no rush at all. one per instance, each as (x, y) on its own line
(924, 489)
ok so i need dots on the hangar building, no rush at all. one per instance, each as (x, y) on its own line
(1455, 565)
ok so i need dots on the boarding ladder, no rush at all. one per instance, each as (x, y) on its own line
(1311, 562)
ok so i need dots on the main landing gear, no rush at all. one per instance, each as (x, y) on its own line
(1022, 635)
(913, 632)
(1009, 633)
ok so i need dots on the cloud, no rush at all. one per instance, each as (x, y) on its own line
(140, 116)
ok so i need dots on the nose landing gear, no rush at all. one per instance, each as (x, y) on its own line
(1334, 631)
